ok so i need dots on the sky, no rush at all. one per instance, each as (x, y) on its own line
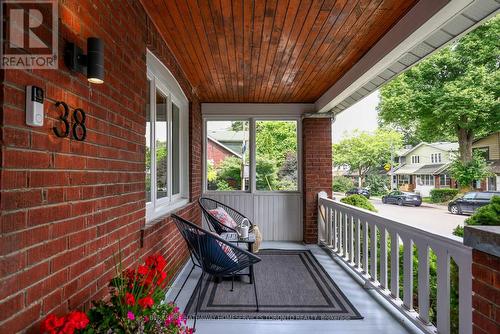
(361, 116)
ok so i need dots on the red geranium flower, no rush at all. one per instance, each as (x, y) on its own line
(129, 299)
(156, 262)
(146, 302)
(143, 270)
(78, 319)
(51, 323)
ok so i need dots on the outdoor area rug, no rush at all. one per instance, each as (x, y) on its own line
(291, 285)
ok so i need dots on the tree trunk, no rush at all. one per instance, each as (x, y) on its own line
(465, 139)
(360, 179)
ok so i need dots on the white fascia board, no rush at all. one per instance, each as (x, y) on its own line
(256, 109)
(419, 23)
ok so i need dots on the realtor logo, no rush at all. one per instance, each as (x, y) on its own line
(29, 33)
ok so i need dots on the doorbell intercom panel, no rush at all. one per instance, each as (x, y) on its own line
(34, 106)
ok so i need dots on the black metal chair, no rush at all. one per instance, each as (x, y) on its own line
(214, 256)
(208, 204)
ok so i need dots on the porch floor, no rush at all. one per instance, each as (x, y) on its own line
(376, 316)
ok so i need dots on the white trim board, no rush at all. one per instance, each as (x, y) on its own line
(256, 109)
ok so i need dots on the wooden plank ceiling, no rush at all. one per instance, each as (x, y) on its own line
(270, 50)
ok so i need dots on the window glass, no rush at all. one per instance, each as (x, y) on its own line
(227, 155)
(484, 195)
(469, 196)
(148, 146)
(161, 145)
(176, 175)
(276, 165)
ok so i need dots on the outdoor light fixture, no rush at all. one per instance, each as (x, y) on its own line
(91, 64)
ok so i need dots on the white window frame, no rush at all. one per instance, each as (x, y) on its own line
(252, 156)
(161, 79)
(415, 159)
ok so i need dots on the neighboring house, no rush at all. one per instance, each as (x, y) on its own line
(424, 167)
(489, 146)
(217, 151)
(224, 143)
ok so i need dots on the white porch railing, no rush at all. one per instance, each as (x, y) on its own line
(351, 234)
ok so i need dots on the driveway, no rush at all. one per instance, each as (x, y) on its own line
(432, 218)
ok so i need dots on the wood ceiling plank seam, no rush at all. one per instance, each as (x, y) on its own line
(248, 12)
(282, 47)
(184, 38)
(227, 22)
(313, 14)
(289, 51)
(340, 50)
(279, 20)
(326, 44)
(185, 64)
(319, 33)
(264, 45)
(237, 14)
(196, 18)
(211, 35)
(258, 30)
(221, 40)
(185, 14)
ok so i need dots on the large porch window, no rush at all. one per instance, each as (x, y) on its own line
(252, 155)
(166, 142)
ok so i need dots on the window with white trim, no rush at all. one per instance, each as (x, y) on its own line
(252, 154)
(435, 158)
(444, 180)
(415, 159)
(425, 180)
(166, 142)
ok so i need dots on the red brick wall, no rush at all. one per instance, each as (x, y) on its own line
(486, 293)
(216, 152)
(65, 204)
(317, 166)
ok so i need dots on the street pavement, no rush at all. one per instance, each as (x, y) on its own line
(433, 218)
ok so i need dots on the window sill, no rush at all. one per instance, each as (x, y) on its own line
(159, 213)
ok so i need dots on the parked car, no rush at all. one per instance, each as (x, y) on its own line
(358, 191)
(471, 201)
(402, 198)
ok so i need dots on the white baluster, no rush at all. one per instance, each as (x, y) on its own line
(408, 273)
(344, 237)
(365, 248)
(443, 291)
(351, 239)
(358, 244)
(395, 265)
(373, 253)
(423, 282)
(383, 258)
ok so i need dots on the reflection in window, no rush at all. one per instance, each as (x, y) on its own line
(176, 172)
(276, 156)
(148, 146)
(227, 155)
(161, 145)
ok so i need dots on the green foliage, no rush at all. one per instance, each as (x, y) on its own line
(486, 215)
(266, 174)
(229, 174)
(451, 94)
(359, 201)
(342, 184)
(467, 172)
(275, 139)
(377, 184)
(441, 195)
(365, 152)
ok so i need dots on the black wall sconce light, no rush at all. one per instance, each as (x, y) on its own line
(90, 64)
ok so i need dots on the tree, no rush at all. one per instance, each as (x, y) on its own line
(365, 152)
(453, 93)
(467, 172)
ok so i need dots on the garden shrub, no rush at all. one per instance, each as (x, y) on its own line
(441, 195)
(342, 184)
(359, 201)
(377, 184)
(486, 215)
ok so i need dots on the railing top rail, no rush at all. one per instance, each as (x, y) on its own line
(395, 226)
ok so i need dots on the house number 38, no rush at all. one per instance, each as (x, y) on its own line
(78, 130)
